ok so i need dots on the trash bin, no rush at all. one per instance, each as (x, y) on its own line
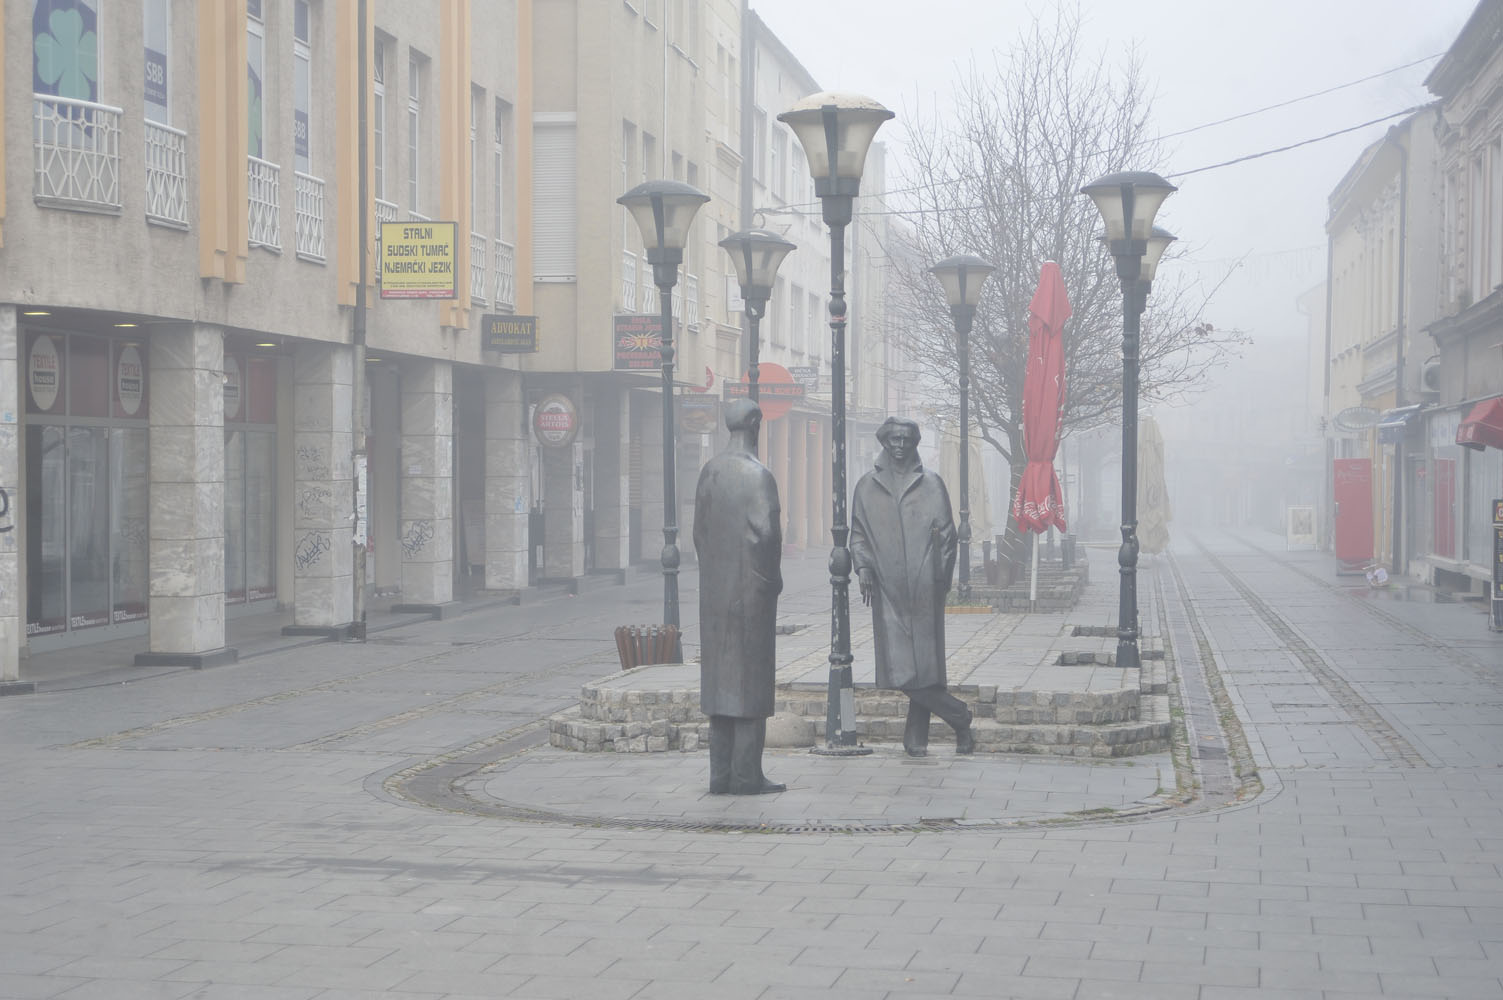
(640, 645)
(1067, 551)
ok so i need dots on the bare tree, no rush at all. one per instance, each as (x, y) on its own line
(1001, 179)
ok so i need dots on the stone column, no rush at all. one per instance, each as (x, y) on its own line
(186, 536)
(506, 492)
(563, 513)
(795, 491)
(612, 433)
(651, 408)
(427, 469)
(323, 475)
(11, 499)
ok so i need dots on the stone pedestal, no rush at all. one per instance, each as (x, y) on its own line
(186, 539)
(427, 470)
(323, 489)
(507, 497)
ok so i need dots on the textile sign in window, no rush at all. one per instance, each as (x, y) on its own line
(65, 49)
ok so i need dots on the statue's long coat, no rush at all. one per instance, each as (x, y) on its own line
(903, 530)
(738, 538)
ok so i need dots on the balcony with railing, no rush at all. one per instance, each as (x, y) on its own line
(678, 303)
(386, 211)
(478, 246)
(505, 259)
(166, 175)
(265, 204)
(691, 300)
(310, 217)
(76, 154)
(649, 302)
(628, 281)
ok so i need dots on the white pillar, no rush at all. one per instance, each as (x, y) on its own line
(10, 504)
(427, 468)
(612, 433)
(186, 547)
(507, 498)
(323, 486)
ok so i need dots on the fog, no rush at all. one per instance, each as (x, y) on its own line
(1251, 233)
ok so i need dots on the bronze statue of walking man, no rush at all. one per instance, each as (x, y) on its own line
(903, 546)
(738, 537)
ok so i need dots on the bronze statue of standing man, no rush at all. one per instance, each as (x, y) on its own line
(738, 538)
(903, 545)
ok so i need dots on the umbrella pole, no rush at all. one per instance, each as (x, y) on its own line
(1033, 587)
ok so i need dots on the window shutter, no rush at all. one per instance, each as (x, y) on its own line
(554, 209)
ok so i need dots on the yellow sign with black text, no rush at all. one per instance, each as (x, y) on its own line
(419, 260)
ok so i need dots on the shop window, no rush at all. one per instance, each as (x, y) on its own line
(87, 495)
(250, 449)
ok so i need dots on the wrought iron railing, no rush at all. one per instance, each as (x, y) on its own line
(310, 216)
(478, 245)
(506, 275)
(265, 204)
(76, 153)
(166, 175)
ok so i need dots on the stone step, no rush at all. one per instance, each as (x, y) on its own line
(613, 703)
(568, 730)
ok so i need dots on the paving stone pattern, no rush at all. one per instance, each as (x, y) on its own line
(235, 833)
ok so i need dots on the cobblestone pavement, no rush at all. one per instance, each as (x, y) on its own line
(317, 823)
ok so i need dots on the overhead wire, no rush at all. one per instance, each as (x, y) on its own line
(809, 208)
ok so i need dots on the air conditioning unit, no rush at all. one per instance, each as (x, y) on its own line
(1430, 379)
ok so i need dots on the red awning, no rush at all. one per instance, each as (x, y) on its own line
(1483, 427)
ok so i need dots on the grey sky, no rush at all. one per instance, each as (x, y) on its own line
(1205, 60)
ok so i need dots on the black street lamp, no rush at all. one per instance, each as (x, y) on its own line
(756, 254)
(835, 131)
(1127, 203)
(664, 211)
(962, 278)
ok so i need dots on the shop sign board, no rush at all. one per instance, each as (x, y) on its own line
(130, 380)
(555, 421)
(418, 260)
(42, 373)
(776, 390)
(509, 334)
(639, 342)
(697, 414)
(1497, 595)
(806, 376)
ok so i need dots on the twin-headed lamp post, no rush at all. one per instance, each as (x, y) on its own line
(835, 131)
(664, 211)
(756, 254)
(962, 278)
(1128, 202)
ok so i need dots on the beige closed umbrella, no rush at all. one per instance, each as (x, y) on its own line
(1153, 495)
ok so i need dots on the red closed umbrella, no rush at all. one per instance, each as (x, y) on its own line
(1039, 504)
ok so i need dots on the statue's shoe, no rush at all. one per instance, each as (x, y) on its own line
(965, 740)
(914, 751)
(765, 788)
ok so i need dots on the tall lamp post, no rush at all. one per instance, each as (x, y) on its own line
(835, 131)
(756, 255)
(664, 211)
(962, 278)
(1128, 202)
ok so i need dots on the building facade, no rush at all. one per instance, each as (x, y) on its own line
(1382, 231)
(203, 418)
(1461, 471)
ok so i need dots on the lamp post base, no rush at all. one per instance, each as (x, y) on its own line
(839, 751)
